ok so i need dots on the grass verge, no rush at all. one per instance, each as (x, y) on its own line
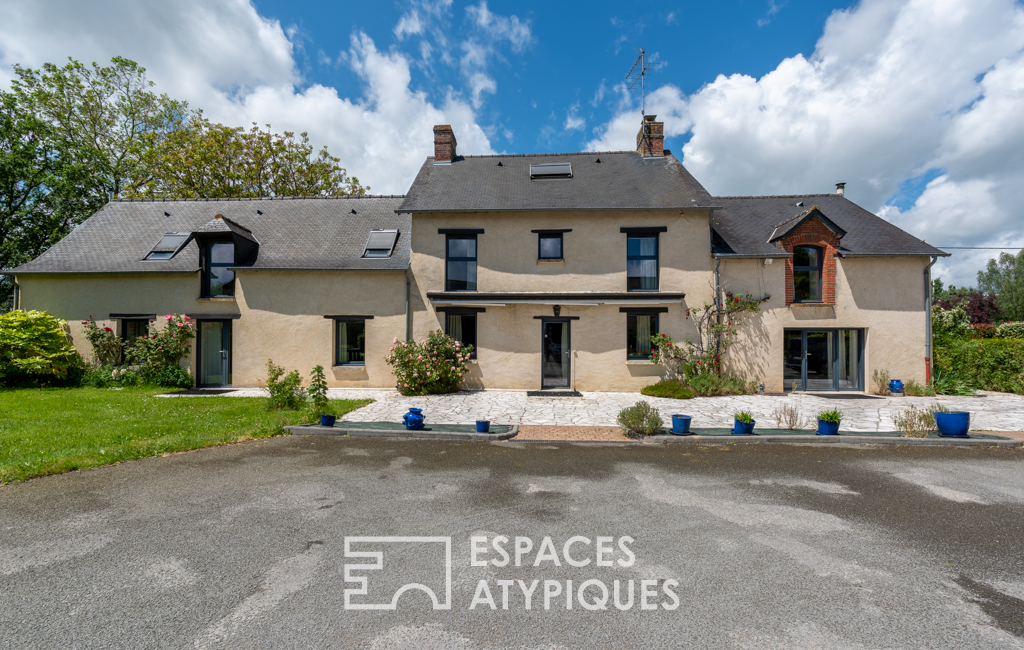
(50, 431)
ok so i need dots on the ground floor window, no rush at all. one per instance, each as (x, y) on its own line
(350, 343)
(462, 328)
(132, 329)
(823, 359)
(640, 326)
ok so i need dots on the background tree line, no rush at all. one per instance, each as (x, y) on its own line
(74, 137)
(999, 296)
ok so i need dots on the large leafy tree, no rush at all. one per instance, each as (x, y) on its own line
(201, 159)
(101, 118)
(71, 137)
(1005, 278)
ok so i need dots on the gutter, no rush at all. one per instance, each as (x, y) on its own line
(554, 209)
(408, 322)
(928, 321)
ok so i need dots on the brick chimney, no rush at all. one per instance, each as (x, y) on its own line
(444, 144)
(650, 140)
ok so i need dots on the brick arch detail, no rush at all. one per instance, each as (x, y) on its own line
(813, 232)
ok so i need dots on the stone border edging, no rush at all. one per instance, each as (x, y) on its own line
(355, 432)
(797, 440)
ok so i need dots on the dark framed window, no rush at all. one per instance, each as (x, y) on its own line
(549, 246)
(807, 274)
(460, 263)
(218, 279)
(349, 342)
(640, 327)
(462, 328)
(134, 328)
(642, 262)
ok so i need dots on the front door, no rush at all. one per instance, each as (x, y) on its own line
(555, 354)
(823, 360)
(214, 353)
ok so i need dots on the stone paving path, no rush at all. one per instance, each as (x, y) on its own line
(989, 411)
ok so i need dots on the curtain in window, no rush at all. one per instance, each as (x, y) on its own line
(343, 343)
(643, 334)
(455, 327)
(565, 351)
(648, 246)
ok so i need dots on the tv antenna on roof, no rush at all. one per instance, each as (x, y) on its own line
(638, 74)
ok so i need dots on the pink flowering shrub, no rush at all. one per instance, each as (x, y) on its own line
(434, 365)
(164, 347)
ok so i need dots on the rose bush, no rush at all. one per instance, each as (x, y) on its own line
(107, 346)
(434, 365)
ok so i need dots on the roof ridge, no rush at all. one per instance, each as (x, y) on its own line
(535, 155)
(261, 198)
(777, 196)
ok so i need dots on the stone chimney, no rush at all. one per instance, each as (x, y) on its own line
(444, 144)
(840, 188)
(650, 140)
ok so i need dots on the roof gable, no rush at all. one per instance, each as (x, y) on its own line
(788, 226)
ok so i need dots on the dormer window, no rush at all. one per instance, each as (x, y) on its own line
(168, 246)
(381, 242)
(218, 278)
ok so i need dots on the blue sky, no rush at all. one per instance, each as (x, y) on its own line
(915, 104)
(576, 54)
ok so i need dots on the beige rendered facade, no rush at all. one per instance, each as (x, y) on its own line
(276, 315)
(557, 268)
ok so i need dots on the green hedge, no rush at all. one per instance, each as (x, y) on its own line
(986, 364)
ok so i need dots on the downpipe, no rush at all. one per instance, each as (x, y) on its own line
(928, 321)
(408, 315)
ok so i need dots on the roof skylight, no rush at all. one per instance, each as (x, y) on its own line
(551, 170)
(168, 246)
(381, 242)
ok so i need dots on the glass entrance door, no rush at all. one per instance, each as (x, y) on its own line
(822, 360)
(214, 353)
(555, 354)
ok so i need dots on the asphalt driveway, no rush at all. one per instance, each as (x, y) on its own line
(761, 546)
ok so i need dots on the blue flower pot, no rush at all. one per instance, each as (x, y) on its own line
(483, 426)
(827, 428)
(895, 386)
(743, 428)
(413, 419)
(328, 420)
(953, 425)
(681, 424)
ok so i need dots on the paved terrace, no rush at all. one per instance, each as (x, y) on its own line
(989, 411)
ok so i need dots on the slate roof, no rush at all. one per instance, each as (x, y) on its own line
(623, 180)
(744, 224)
(293, 233)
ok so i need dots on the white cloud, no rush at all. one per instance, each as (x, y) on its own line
(409, 23)
(892, 89)
(240, 68)
(516, 31)
(573, 122)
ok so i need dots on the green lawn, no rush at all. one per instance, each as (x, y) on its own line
(49, 431)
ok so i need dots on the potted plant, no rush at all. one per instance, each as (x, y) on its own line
(951, 424)
(681, 424)
(318, 394)
(828, 422)
(896, 387)
(743, 424)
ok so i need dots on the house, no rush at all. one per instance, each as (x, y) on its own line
(557, 268)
